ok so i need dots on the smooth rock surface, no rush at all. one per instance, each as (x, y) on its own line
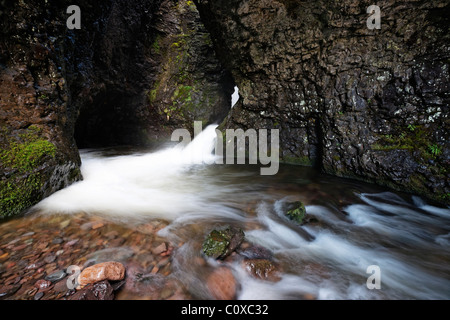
(113, 271)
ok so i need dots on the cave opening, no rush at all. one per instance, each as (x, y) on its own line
(112, 118)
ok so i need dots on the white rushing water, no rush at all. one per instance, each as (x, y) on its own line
(408, 241)
(158, 184)
(235, 96)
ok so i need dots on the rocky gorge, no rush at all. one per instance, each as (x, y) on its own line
(354, 102)
(132, 74)
(92, 186)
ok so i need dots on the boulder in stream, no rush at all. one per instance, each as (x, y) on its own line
(262, 269)
(113, 271)
(296, 211)
(219, 244)
(222, 284)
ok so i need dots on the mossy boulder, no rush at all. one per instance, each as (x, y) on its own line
(23, 159)
(296, 211)
(219, 244)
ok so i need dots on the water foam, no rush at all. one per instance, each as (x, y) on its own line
(157, 184)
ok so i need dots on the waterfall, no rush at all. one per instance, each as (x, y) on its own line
(235, 97)
(158, 184)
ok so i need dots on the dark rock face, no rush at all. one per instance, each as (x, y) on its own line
(190, 83)
(38, 152)
(141, 69)
(367, 104)
(109, 71)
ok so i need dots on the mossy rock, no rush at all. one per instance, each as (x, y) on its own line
(219, 244)
(23, 159)
(296, 212)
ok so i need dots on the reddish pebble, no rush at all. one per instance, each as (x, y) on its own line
(97, 225)
(70, 243)
(42, 284)
(155, 270)
(222, 284)
(31, 266)
(159, 249)
(113, 271)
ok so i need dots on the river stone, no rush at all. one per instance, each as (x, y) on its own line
(38, 296)
(261, 268)
(8, 291)
(121, 254)
(113, 271)
(222, 284)
(56, 276)
(256, 252)
(61, 286)
(97, 291)
(43, 285)
(296, 211)
(219, 244)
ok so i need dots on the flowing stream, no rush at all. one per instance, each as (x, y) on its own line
(352, 225)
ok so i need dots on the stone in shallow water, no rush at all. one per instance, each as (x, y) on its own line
(8, 291)
(256, 252)
(262, 269)
(61, 286)
(113, 271)
(57, 241)
(160, 249)
(50, 258)
(296, 211)
(38, 296)
(43, 285)
(56, 276)
(219, 244)
(29, 234)
(222, 284)
(120, 254)
(141, 282)
(97, 291)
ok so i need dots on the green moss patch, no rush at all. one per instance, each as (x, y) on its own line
(414, 138)
(296, 212)
(21, 159)
(219, 244)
